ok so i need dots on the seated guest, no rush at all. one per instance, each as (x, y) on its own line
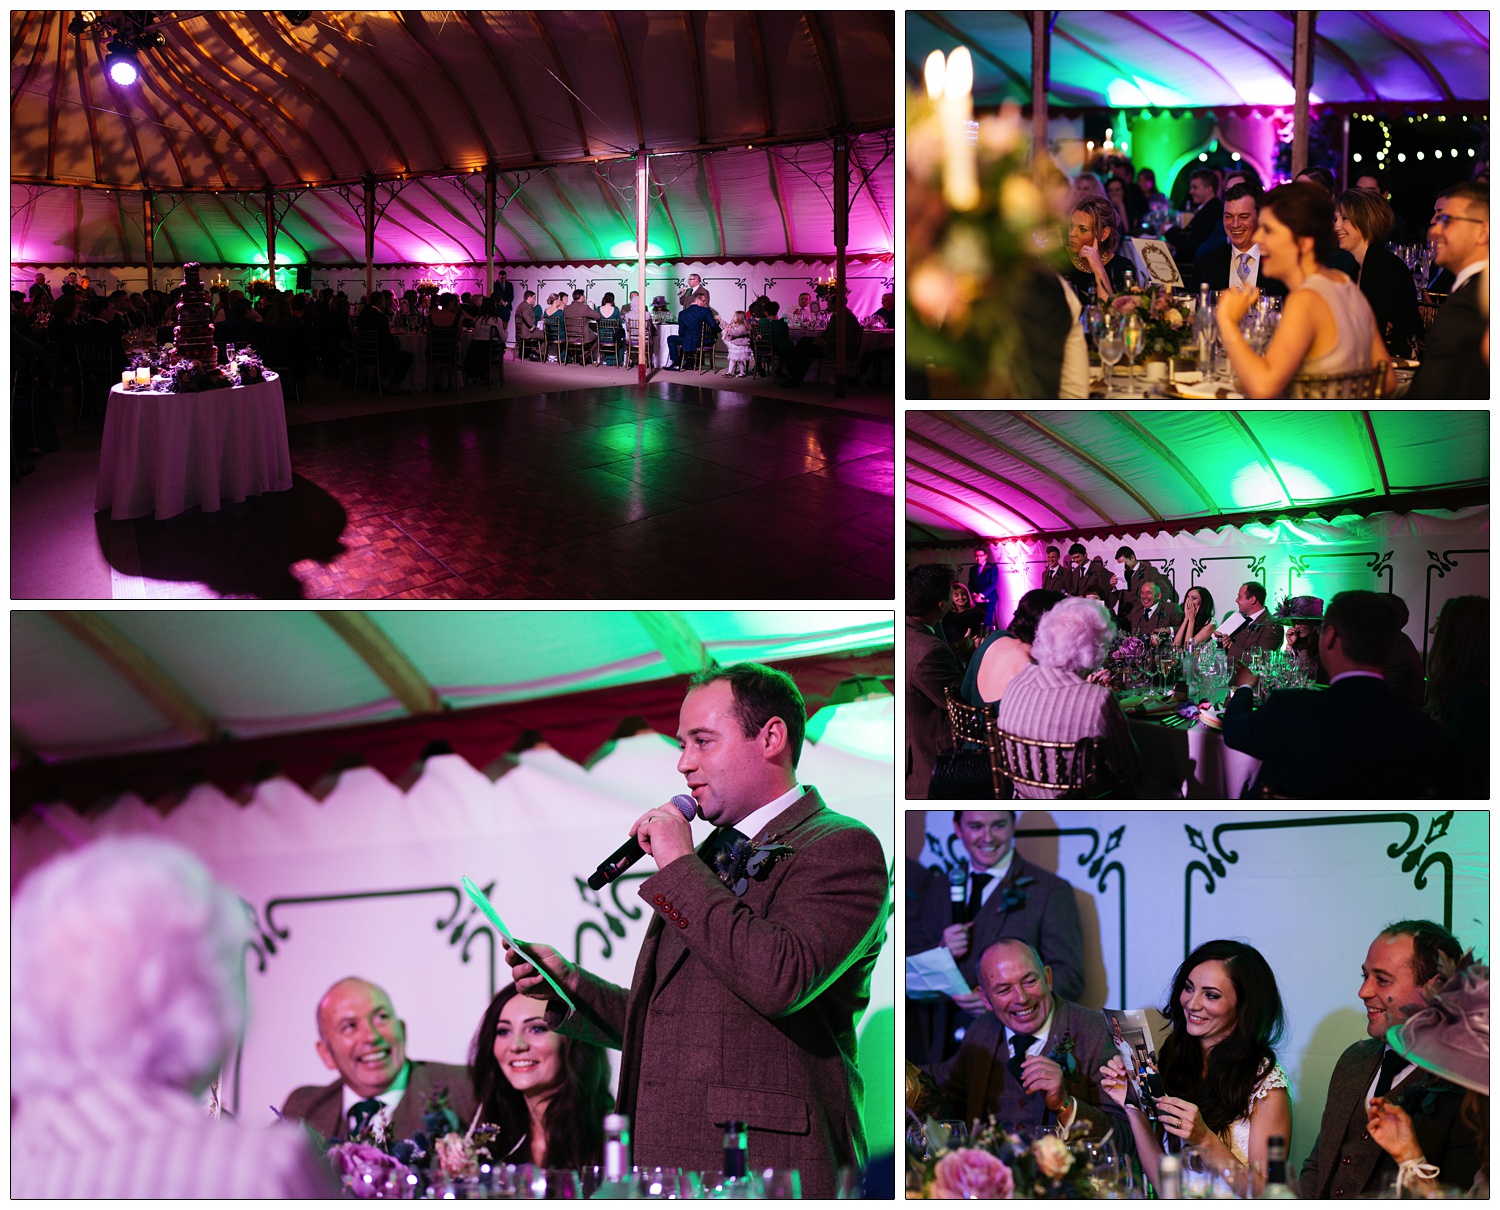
(695, 325)
(101, 331)
(632, 309)
(577, 314)
(1197, 625)
(1323, 179)
(1085, 184)
(1001, 659)
(1226, 1093)
(1403, 671)
(1114, 190)
(805, 313)
(1377, 182)
(1051, 701)
(373, 318)
(963, 625)
(1405, 961)
(808, 350)
(1147, 182)
(1151, 613)
(1454, 365)
(1327, 326)
(1237, 260)
(1203, 191)
(1448, 1035)
(120, 1020)
(1303, 617)
(1094, 243)
(1260, 632)
(547, 1093)
(771, 324)
(1458, 689)
(1355, 739)
(528, 320)
(445, 314)
(1362, 221)
(489, 329)
(931, 667)
(886, 313)
(1010, 1063)
(607, 308)
(361, 1038)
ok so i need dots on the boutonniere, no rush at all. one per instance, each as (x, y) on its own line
(1062, 1055)
(744, 861)
(1419, 1102)
(1013, 896)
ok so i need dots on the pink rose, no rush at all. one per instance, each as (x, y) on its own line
(1053, 1159)
(1124, 302)
(456, 1157)
(966, 1174)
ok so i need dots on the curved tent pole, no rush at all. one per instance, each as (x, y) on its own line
(489, 228)
(642, 221)
(841, 248)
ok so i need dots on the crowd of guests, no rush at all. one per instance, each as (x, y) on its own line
(1017, 1046)
(122, 1019)
(1043, 675)
(1348, 303)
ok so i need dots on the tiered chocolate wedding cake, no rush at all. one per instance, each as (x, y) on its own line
(194, 333)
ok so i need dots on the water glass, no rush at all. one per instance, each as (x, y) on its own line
(1111, 349)
(547, 1184)
(781, 1183)
(229, 352)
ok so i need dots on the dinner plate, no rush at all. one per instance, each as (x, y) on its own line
(1199, 390)
(1210, 718)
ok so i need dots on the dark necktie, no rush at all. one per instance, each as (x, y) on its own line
(1019, 1045)
(1390, 1064)
(717, 854)
(361, 1112)
(976, 891)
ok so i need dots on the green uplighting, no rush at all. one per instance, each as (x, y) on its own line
(627, 247)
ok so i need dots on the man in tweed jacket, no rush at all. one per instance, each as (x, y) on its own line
(746, 993)
(1346, 1162)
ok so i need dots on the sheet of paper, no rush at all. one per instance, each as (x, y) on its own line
(933, 973)
(484, 905)
(1236, 620)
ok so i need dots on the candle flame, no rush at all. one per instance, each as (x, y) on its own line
(960, 81)
(935, 71)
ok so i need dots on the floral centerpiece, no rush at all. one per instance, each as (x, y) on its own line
(188, 376)
(826, 290)
(246, 368)
(1000, 1163)
(368, 1164)
(256, 288)
(427, 286)
(1167, 324)
(984, 240)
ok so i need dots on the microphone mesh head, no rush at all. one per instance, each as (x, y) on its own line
(687, 804)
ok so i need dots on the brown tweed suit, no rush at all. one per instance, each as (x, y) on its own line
(322, 1106)
(1347, 1163)
(746, 1007)
(1263, 634)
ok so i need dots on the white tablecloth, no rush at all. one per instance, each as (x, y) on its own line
(165, 453)
(1193, 762)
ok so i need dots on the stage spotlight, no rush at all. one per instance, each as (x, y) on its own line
(296, 16)
(82, 21)
(121, 64)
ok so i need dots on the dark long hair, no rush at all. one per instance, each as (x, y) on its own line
(1460, 652)
(573, 1119)
(1235, 1064)
(1208, 603)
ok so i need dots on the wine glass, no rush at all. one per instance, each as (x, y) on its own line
(1111, 349)
(1134, 332)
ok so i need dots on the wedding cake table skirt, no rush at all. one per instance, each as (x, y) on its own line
(165, 453)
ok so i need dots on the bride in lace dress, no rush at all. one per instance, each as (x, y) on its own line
(1228, 1095)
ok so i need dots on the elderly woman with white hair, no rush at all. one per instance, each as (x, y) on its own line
(127, 994)
(1052, 701)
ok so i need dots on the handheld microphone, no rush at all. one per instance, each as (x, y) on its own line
(631, 852)
(958, 883)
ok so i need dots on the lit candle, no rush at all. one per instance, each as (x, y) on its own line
(127, 378)
(143, 376)
(960, 173)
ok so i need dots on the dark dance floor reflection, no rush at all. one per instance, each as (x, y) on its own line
(597, 494)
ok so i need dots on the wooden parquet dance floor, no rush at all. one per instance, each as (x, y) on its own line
(599, 494)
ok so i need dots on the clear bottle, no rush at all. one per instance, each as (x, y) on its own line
(1129, 279)
(1276, 1186)
(618, 1180)
(1203, 327)
(1169, 1178)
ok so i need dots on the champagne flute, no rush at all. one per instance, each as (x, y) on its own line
(1111, 349)
(1134, 332)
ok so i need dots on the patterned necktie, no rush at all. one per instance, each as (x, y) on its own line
(1019, 1045)
(361, 1112)
(1244, 267)
(1390, 1064)
(976, 894)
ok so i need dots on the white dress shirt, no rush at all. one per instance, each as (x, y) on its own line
(389, 1099)
(1253, 264)
(755, 823)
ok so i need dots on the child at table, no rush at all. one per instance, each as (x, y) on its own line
(737, 340)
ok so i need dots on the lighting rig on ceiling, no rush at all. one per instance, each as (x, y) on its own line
(123, 35)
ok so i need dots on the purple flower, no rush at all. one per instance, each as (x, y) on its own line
(369, 1172)
(968, 1173)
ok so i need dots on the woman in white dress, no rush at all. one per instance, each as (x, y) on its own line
(1326, 326)
(1227, 1095)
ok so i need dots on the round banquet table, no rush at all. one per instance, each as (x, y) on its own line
(1189, 762)
(1138, 386)
(164, 453)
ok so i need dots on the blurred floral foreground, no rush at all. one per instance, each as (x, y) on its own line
(972, 272)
